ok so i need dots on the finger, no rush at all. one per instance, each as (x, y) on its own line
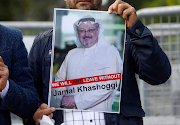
(48, 111)
(1, 63)
(4, 74)
(43, 106)
(110, 10)
(50, 115)
(114, 6)
(37, 122)
(1, 60)
(128, 12)
(3, 67)
(122, 8)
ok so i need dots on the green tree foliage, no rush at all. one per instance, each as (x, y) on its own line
(139, 4)
(173, 2)
(28, 10)
(155, 3)
(136, 3)
(13, 9)
(42, 10)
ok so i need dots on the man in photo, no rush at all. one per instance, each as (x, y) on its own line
(93, 56)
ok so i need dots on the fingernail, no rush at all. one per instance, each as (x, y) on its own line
(53, 109)
(109, 11)
(51, 115)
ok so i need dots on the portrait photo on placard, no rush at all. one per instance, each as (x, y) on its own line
(87, 60)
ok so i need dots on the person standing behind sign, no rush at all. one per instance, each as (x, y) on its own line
(143, 56)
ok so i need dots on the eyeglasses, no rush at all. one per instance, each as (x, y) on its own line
(88, 31)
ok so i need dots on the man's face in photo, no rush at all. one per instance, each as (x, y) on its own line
(84, 4)
(88, 34)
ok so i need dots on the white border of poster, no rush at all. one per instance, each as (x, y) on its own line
(84, 78)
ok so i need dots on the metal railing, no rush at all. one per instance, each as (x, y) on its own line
(163, 100)
(28, 28)
(165, 26)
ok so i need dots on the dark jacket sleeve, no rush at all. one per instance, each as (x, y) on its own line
(39, 71)
(21, 98)
(35, 65)
(150, 62)
(40, 62)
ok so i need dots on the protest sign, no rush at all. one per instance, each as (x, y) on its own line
(87, 60)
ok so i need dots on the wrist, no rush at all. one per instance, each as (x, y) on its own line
(5, 90)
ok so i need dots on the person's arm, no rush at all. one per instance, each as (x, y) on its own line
(21, 98)
(36, 58)
(35, 63)
(150, 62)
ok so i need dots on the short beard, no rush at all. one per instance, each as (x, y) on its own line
(95, 6)
(87, 45)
